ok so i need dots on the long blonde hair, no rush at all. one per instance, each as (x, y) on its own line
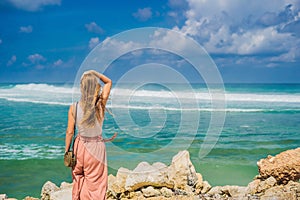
(91, 100)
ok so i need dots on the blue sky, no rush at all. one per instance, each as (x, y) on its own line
(250, 41)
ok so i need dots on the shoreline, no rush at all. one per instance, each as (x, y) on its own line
(180, 180)
(211, 171)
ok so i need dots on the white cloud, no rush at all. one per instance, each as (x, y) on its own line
(143, 14)
(290, 56)
(236, 10)
(177, 10)
(161, 38)
(242, 27)
(177, 3)
(63, 64)
(171, 40)
(57, 63)
(94, 28)
(249, 42)
(114, 47)
(36, 58)
(173, 14)
(12, 60)
(33, 5)
(26, 29)
(93, 42)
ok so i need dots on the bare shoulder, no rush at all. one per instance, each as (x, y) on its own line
(71, 114)
(71, 108)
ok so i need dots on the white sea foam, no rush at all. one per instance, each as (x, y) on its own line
(34, 101)
(159, 108)
(285, 98)
(39, 93)
(64, 95)
(44, 88)
(10, 151)
(244, 97)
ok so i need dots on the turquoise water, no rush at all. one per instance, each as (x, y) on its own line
(154, 122)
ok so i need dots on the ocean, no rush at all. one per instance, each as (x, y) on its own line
(153, 123)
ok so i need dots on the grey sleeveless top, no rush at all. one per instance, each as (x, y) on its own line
(84, 131)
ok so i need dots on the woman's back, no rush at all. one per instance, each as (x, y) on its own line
(87, 131)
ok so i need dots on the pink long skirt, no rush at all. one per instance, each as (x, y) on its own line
(90, 173)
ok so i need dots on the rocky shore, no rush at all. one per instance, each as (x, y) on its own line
(278, 179)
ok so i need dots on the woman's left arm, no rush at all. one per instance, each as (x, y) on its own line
(70, 129)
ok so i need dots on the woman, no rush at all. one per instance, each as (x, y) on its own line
(90, 172)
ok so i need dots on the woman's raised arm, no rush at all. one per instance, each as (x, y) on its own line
(107, 85)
